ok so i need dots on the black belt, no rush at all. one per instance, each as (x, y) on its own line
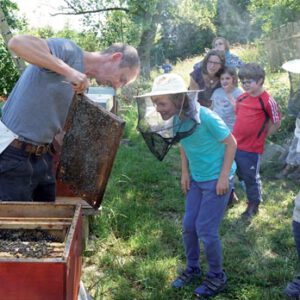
(30, 148)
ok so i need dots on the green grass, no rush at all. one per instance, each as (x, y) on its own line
(136, 248)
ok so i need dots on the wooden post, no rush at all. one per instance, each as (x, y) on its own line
(7, 35)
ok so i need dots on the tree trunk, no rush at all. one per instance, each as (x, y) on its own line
(144, 49)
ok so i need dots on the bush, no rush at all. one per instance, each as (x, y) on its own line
(8, 71)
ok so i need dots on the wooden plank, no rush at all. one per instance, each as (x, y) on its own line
(33, 219)
(87, 209)
(33, 225)
(36, 209)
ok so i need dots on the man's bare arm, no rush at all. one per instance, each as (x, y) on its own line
(35, 51)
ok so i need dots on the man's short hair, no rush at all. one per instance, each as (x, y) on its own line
(252, 71)
(130, 57)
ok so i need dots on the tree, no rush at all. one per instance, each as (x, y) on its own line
(233, 21)
(271, 14)
(8, 70)
(150, 25)
(186, 29)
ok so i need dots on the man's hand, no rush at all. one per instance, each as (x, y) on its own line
(79, 81)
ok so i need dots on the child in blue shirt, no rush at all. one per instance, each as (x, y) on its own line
(207, 178)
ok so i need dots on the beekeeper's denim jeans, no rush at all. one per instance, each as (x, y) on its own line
(26, 177)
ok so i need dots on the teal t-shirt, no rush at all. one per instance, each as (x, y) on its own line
(204, 148)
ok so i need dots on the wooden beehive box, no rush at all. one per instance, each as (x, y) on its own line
(56, 275)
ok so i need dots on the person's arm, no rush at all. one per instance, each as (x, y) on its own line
(185, 176)
(273, 127)
(230, 148)
(35, 51)
(231, 99)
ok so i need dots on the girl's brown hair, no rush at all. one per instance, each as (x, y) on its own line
(232, 72)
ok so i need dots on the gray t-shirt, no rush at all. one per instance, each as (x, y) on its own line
(223, 107)
(38, 105)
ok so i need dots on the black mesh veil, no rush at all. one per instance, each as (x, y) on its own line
(160, 134)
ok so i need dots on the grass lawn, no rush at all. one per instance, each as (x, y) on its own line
(136, 248)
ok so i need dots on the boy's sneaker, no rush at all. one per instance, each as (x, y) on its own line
(293, 288)
(211, 286)
(251, 210)
(186, 277)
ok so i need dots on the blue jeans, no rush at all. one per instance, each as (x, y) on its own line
(204, 211)
(248, 166)
(26, 177)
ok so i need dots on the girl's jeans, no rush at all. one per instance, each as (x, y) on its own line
(26, 177)
(204, 211)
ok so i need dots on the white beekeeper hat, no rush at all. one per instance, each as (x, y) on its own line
(166, 84)
(292, 66)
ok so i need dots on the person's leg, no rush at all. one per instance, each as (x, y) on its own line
(190, 237)
(15, 175)
(296, 232)
(292, 289)
(44, 178)
(208, 222)
(248, 168)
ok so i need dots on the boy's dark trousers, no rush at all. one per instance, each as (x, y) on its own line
(248, 166)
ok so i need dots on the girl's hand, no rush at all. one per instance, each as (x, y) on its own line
(185, 182)
(222, 186)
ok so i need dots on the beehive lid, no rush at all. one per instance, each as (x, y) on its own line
(89, 148)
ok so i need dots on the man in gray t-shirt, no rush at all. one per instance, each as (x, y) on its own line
(37, 107)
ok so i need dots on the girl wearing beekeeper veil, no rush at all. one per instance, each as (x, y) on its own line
(170, 114)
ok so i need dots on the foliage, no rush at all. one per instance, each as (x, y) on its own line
(271, 14)
(8, 71)
(86, 40)
(233, 19)
(158, 28)
(9, 8)
(184, 31)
